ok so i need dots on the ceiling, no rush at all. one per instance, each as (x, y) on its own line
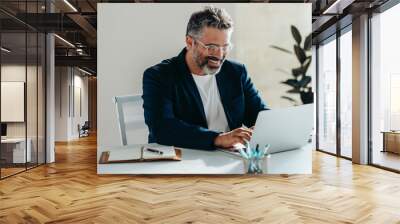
(76, 22)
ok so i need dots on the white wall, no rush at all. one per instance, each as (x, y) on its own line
(61, 103)
(132, 37)
(258, 26)
(67, 80)
(79, 117)
(16, 72)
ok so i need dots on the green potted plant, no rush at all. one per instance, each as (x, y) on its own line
(300, 82)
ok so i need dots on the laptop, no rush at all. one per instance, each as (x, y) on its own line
(283, 129)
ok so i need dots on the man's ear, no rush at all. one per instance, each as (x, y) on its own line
(189, 42)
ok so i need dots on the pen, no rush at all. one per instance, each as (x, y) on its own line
(154, 151)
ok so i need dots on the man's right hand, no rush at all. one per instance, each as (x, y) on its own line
(229, 139)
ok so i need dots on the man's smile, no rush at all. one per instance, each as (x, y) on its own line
(214, 62)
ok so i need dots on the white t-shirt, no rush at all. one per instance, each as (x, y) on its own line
(215, 114)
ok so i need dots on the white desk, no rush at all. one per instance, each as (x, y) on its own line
(18, 151)
(212, 162)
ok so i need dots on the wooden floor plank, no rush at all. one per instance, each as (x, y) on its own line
(70, 191)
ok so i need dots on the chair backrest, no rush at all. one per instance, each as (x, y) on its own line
(130, 115)
(86, 125)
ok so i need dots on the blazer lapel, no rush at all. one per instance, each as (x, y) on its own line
(191, 86)
(224, 83)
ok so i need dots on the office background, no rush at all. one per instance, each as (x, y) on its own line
(22, 77)
(128, 45)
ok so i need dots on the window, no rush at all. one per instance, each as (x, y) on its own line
(385, 88)
(394, 102)
(346, 93)
(327, 96)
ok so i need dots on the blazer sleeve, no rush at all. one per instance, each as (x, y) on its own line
(253, 101)
(164, 127)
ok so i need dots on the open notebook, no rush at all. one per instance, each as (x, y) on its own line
(141, 154)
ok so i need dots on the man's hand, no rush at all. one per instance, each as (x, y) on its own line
(229, 139)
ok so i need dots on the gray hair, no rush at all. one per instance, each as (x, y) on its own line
(210, 16)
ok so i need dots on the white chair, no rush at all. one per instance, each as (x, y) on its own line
(130, 115)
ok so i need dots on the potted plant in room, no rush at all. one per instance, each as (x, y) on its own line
(301, 82)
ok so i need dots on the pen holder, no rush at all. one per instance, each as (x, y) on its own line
(254, 161)
(254, 165)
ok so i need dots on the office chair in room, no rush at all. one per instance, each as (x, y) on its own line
(84, 129)
(130, 115)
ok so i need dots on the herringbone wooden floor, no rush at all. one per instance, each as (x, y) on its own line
(70, 191)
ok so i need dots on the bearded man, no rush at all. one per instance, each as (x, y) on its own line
(199, 99)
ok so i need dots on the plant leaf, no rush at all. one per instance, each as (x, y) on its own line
(292, 82)
(302, 70)
(300, 54)
(308, 42)
(304, 81)
(293, 91)
(291, 100)
(306, 65)
(288, 98)
(281, 49)
(297, 71)
(296, 34)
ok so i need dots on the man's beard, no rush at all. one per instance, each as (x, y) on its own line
(203, 64)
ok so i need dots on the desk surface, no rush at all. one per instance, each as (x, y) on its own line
(13, 140)
(390, 132)
(212, 162)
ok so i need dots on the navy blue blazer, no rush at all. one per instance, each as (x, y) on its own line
(173, 109)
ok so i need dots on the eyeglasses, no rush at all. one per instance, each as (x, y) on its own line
(214, 47)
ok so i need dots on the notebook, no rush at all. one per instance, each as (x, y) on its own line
(142, 153)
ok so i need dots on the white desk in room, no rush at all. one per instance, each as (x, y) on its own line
(212, 162)
(18, 150)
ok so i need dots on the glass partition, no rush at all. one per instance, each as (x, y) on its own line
(32, 95)
(22, 77)
(14, 153)
(41, 87)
